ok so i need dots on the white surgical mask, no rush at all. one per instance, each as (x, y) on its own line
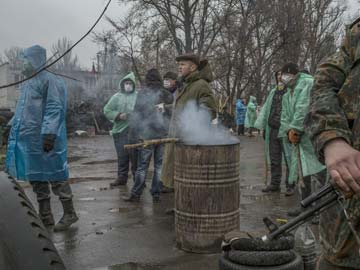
(285, 78)
(128, 88)
(167, 84)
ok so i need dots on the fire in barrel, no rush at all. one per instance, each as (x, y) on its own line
(207, 195)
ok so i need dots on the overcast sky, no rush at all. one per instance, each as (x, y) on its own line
(27, 22)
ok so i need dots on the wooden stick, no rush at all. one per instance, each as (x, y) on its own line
(146, 143)
(96, 123)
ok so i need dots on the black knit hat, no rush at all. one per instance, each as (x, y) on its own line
(170, 75)
(290, 68)
(189, 57)
(153, 75)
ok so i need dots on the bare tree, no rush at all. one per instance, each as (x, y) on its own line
(69, 61)
(13, 57)
(245, 40)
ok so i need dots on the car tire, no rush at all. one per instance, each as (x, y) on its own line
(24, 241)
(256, 244)
(261, 258)
(296, 264)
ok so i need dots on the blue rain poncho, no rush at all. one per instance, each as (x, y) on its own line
(250, 116)
(240, 112)
(295, 106)
(40, 110)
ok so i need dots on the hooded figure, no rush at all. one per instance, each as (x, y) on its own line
(196, 89)
(240, 116)
(295, 108)
(37, 148)
(250, 116)
(116, 111)
(149, 121)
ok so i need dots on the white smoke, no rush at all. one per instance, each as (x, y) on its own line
(194, 127)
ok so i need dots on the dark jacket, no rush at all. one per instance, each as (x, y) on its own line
(146, 122)
(276, 108)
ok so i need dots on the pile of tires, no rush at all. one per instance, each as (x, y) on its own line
(24, 242)
(254, 254)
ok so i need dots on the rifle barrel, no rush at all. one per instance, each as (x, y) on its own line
(294, 223)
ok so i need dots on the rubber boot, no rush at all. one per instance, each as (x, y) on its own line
(45, 214)
(120, 181)
(68, 218)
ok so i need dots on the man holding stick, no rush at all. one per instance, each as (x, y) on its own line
(149, 121)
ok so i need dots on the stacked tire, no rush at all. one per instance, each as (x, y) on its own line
(254, 254)
(24, 241)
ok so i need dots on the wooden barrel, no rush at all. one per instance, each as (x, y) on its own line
(207, 195)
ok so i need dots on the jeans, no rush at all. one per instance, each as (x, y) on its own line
(124, 156)
(144, 158)
(61, 189)
(276, 149)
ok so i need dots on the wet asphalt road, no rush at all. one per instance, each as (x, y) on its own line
(112, 234)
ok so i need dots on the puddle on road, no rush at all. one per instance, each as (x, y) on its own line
(119, 210)
(74, 158)
(258, 198)
(132, 266)
(100, 162)
(250, 187)
(87, 199)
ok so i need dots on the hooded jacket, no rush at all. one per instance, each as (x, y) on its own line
(40, 111)
(121, 102)
(146, 121)
(295, 106)
(250, 116)
(240, 112)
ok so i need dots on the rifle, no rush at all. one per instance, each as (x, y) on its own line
(333, 196)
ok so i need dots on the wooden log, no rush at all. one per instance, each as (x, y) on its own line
(146, 143)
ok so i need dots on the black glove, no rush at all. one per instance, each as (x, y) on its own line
(48, 142)
(263, 134)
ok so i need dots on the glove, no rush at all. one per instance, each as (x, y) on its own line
(264, 134)
(121, 117)
(160, 107)
(48, 142)
(294, 136)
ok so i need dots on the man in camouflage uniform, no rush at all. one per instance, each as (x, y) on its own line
(333, 124)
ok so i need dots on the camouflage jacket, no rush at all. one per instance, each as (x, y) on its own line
(334, 113)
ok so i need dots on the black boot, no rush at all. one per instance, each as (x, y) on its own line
(131, 198)
(45, 214)
(68, 218)
(290, 190)
(271, 188)
(120, 181)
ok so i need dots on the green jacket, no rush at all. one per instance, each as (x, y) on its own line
(250, 116)
(295, 106)
(121, 102)
(196, 88)
(334, 113)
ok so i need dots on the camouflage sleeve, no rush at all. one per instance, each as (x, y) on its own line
(326, 119)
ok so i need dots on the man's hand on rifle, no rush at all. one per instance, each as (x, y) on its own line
(343, 164)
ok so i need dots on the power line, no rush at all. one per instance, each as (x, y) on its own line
(61, 56)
